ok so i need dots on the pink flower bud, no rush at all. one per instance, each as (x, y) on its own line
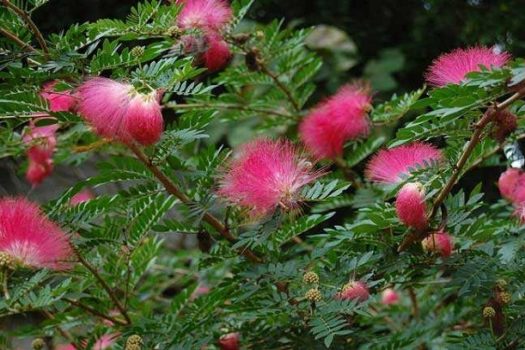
(217, 55)
(59, 101)
(411, 207)
(81, 197)
(37, 172)
(230, 341)
(41, 142)
(389, 297)
(118, 111)
(354, 290)
(439, 243)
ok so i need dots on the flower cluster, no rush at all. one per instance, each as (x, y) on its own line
(266, 174)
(31, 239)
(439, 243)
(210, 17)
(41, 143)
(512, 187)
(452, 67)
(342, 117)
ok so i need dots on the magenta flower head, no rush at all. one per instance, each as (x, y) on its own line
(452, 67)
(31, 239)
(391, 165)
(41, 142)
(208, 15)
(410, 206)
(439, 243)
(59, 101)
(511, 185)
(341, 118)
(119, 112)
(389, 297)
(217, 55)
(266, 174)
(230, 341)
(354, 290)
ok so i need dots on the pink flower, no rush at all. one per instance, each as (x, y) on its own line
(217, 55)
(41, 142)
(410, 206)
(452, 67)
(439, 243)
(30, 238)
(389, 297)
(59, 101)
(341, 118)
(391, 165)
(354, 290)
(208, 15)
(229, 341)
(266, 174)
(118, 111)
(508, 182)
(81, 197)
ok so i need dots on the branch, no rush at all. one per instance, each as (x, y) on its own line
(234, 107)
(65, 334)
(95, 312)
(104, 285)
(280, 85)
(32, 26)
(12, 36)
(174, 190)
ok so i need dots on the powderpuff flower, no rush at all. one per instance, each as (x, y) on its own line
(439, 243)
(342, 117)
(217, 55)
(104, 342)
(410, 206)
(389, 297)
(452, 67)
(41, 142)
(118, 111)
(354, 290)
(391, 165)
(31, 239)
(208, 15)
(81, 197)
(509, 181)
(230, 341)
(59, 101)
(266, 174)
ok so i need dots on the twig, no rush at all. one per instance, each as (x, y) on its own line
(65, 334)
(474, 140)
(174, 190)
(104, 285)
(225, 106)
(12, 36)
(413, 299)
(281, 86)
(30, 23)
(95, 312)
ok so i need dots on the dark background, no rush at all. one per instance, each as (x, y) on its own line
(413, 32)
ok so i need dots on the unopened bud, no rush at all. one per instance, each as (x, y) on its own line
(311, 277)
(173, 31)
(501, 283)
(38, 344)
(489, 312)
(313, 295)
(259, 34)
(137, 51)
(6, 261)
(504, 297)
(439, 242)
(410, 206)
(505, 123)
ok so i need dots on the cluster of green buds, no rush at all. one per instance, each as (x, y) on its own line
(134, 342)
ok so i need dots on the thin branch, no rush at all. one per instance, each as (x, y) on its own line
(174, 190)
(281, 86)
(32, 26)
(104, 285)
(12, 36)
(413, 300)
(348, 172)
(225, 106)
(94, 312)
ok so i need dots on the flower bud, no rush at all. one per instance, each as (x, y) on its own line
(137, 51)
(439, 242)
(134, 339)
(313, 295)
(504, 298)
(38, 344)
(389, 297)
(6, 261)
(505, 123)
(229, 341)
(311, 278)
(489, 312)
(354, 290)
(411, 207)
